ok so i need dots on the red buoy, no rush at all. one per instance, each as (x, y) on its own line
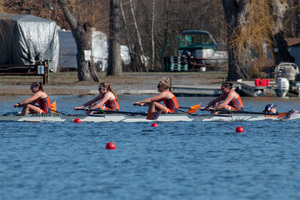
(239, 129)
(110, 145)
(154, 125)
(77, 121)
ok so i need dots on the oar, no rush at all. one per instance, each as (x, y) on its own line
(283, 115)
(192, 109)
(114, 112)
(155, 115)
(58, 112)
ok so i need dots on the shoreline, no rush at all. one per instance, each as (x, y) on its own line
(128, 83)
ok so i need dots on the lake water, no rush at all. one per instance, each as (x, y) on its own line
(176, 160)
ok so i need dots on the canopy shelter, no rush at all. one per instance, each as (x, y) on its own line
(28, 40)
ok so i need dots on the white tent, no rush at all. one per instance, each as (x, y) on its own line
(26, 39)
(68, 50)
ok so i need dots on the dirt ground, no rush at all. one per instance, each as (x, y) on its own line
(66, 83)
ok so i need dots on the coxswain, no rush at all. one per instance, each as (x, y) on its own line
(270, 108)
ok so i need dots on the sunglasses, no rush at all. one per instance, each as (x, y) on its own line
(223, 88)
(101, 88)
(158, 86)
(272, 106)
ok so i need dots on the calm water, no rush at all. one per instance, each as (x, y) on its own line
(177, 160)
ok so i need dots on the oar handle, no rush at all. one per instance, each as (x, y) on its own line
(88, 109)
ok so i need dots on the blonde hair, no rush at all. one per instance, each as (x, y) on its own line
(108, 87)
(38, 84)
(165, 83)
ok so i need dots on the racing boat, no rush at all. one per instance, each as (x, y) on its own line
(142, 117)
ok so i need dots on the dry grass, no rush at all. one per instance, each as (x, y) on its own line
(70, 78)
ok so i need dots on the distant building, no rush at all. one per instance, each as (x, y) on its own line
(99, 51)
(294, 48)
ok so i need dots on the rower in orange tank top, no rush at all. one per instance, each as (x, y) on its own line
(171, 104)
(231, 100)
(107, 99)
(39, 97)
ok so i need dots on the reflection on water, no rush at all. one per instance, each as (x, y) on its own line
(176, 160)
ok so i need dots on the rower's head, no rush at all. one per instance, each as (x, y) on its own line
(270, 108)
(226, 87)
(105, 87)
(163, 85)
(36, 86)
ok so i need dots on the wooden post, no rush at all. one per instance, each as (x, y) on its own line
(170, 86)
(46, 72)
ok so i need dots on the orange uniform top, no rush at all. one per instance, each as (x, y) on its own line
(171, 104)
(112, 105)
(44, 104)
(236, 104)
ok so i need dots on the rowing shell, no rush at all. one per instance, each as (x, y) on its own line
(121, 117)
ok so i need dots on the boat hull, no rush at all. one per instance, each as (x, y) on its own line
(55, 117)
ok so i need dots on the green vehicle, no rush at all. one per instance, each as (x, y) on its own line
(201, 45)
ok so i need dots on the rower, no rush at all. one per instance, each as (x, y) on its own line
(39, 97)
(231, 100)
(270, 108)
(107, 97)
(169, 99)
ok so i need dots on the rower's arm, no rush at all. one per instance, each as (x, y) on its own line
(225, 103)
(106, 97)
(31, 99)
(156, 98)
(97, 98)
(220, 98)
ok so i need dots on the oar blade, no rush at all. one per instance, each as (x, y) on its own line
(53, 107)
(286, 115)
(194, 108)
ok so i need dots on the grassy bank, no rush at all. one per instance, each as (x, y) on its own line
(69, 78)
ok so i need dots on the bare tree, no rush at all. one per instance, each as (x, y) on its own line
(139, 40)
(114, 51)
(251, 25)
(152, 34)
(82, 34)
(240, 64)
(281, 54)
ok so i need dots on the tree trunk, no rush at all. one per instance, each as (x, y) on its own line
(143, 58)
(239, 59)
(281, 53)
(133, 66)
(83, 37)
(114, 45)
(152, 35)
